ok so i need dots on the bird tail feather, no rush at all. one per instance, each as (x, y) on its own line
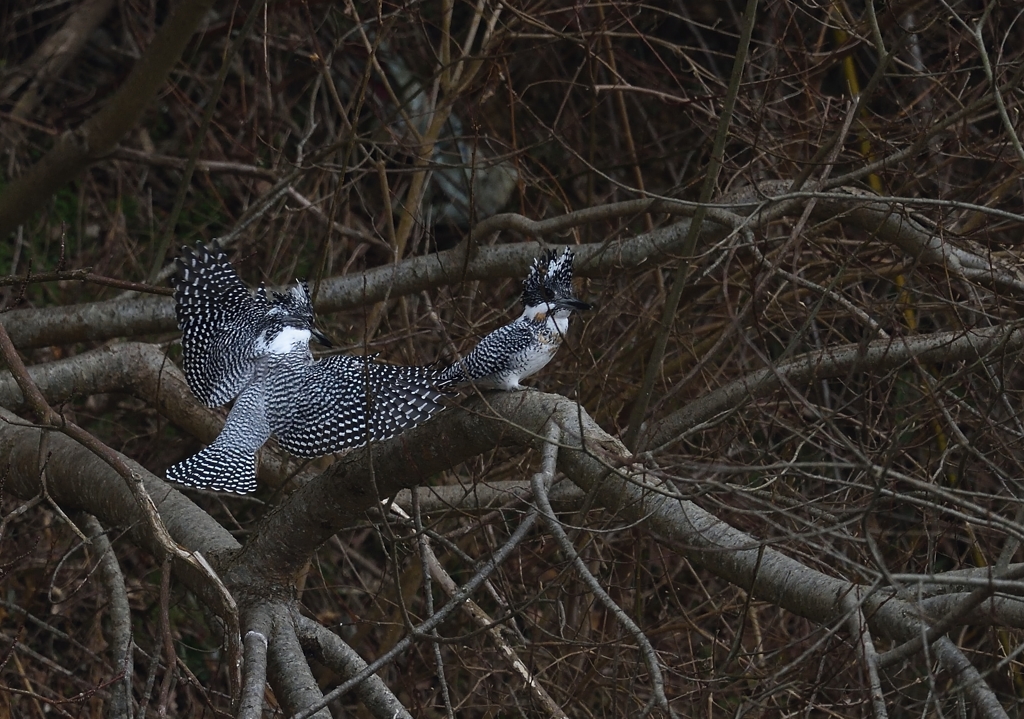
(225, 469)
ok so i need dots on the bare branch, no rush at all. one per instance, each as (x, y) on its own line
(258, 624)
(146, 315)
(52, 56)
(541, 481)
(120, 619)
(878, 356)
(289, 672)
(74, 151)
(679, 279)
(78, 478)
(862, 636)
(332, 651)
(145, 372)
(485, 570)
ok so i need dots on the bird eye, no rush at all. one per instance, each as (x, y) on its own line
(548, 294)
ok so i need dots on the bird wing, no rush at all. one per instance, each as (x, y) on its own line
(218, 317)
(229, 464)
(493, 356)
(339, 402)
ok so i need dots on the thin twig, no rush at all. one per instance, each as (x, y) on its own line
(170, 656)
(681, 276)
(861, 634)
(164, 242)
(484, 621)
(486, 569)
(541, 481)
(82, 275)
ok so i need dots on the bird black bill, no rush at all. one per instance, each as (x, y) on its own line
(321, 337)
(574, 304)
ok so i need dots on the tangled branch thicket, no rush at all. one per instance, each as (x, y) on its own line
(776, 472)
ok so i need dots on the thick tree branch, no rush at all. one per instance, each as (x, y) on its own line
(257, 625)
(340, 496)
(120, 619)
(484, 496)
(78, 479)
(876, 357)
(146, 315)
(145, 372)
(288, 670)
(47, 416)
(332, 651)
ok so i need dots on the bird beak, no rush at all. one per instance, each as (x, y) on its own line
(571, 303)
(320, 337)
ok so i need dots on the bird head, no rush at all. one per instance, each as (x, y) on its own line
(548, 286)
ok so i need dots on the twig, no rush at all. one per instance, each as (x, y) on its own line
(170, 656)
(181, 163)
(164, 243)
(486, 569)
(986, 65)
(74, 150)
(326, 221)
(681, 275)
(82, 275)
(541, 481)
(132, 479)
(861, 634)
(484, 621)
(969, 603)
(877, 356)
(17, 512)
(428, 595)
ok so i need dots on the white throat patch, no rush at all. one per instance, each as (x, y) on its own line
(286, 340)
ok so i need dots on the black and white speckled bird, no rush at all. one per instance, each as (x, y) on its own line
(522, 348)
(225, 327)
(255, 348)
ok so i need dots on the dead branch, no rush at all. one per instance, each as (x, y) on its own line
(75, 150)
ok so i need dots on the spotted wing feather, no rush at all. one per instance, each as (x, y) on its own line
(340, 402)
(219, 320)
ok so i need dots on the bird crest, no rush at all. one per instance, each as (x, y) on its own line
(549, 278)
(296, 302)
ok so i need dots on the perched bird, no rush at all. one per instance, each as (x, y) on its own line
(255, 348)
(522, 348)
(225, 327)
